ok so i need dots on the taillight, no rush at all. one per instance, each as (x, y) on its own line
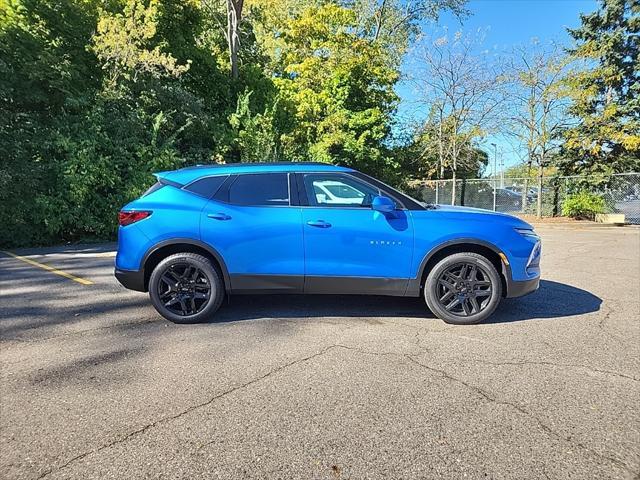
(128, 217)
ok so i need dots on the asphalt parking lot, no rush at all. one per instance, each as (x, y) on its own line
(94, 384)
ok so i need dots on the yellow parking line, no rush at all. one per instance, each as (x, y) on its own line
(50, 269)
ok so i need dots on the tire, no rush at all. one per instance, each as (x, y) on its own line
(186, 288)
(455, 297)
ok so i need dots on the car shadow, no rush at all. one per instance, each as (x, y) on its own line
(551, 300)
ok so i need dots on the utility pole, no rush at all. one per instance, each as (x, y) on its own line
(495, 162)
(501, 168)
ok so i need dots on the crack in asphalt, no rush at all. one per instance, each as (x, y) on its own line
(603, 322)
(162, 420)
(558, 365)
(377, 354)
(488, 397)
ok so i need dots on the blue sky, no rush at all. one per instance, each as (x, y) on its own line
(506, 23)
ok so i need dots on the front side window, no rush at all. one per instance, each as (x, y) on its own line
(265, 189)
(333, 190)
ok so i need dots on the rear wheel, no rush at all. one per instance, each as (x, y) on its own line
(186, 288)
(463, 288)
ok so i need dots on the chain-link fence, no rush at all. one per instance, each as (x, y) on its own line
(621, 193)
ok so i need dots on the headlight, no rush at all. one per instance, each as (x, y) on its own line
(534, 257)
(533, 262)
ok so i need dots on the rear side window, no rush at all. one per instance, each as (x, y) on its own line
(268, 189)
(206, 186)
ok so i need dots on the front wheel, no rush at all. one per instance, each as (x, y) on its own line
(186, 288)
(463, 288)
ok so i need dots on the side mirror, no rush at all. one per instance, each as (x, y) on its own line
(383, 204)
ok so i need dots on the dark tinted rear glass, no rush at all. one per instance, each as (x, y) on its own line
(260, 189)
(207, 186)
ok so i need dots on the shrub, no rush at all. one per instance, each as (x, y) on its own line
(583, 205)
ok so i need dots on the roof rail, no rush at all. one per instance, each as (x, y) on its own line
(251, 164)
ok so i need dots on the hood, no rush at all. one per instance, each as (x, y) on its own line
(479, 214)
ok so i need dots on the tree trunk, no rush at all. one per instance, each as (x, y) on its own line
(453, 187)
(539, 206)
(463, 188)
(440, 150)
(556, 198)
(525, 188)
(379, 20)
(234, 15)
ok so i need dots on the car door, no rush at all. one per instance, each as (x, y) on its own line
(255, 226)
(350, 248)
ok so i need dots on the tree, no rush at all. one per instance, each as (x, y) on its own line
(335, 88)
(605, 91)
(537, 109)
(46, 71)
(122, 43)
(97, 95)
(232, 10)
(234, 16)
(461, 91)
(397, 23)
(256, 135)
(523, 170)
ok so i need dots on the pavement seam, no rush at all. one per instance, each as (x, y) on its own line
(185, 412)
(487, 396)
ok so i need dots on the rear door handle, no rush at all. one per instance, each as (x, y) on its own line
(319, 224)
(219, 216)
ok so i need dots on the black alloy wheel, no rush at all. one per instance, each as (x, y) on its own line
(463, 288)
(186, 288)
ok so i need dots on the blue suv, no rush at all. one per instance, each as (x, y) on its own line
(204, 232)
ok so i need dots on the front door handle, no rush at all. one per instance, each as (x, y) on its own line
(219, 216)
(319, 224)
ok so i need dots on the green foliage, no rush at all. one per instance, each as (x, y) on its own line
(122, 43)
(605, 91)
(97, 95)
(339, 90)
(255, 135)
(583, 205)
(523, 170)
(76, 141)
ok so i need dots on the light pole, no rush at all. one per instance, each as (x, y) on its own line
(501, 169)
(495, 163)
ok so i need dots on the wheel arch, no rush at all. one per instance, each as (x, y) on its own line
(179, 245)
(486, 249)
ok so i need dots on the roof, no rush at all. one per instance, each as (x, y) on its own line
(188, 174)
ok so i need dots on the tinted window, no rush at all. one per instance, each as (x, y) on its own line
(260, 189)
(333, 190)
(207, 186)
